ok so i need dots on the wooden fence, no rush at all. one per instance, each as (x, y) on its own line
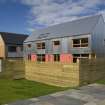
(72, 75)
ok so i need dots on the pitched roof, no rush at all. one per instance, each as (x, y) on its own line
(76, 27)
(13, 38)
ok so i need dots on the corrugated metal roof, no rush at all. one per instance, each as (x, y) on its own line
(77, 27)
(13, 38)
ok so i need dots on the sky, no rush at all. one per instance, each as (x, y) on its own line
(25, 16)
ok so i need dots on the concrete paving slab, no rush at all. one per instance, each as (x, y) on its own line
(90, 103)
(102, 103)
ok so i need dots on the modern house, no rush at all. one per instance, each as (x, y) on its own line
(82, 38)
(11, 45)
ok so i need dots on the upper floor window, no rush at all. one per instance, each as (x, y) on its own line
(56, 43)
(29, 45)
(82, 42)
(40, 45)
(12, 48)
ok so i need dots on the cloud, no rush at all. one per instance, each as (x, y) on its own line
(50, 12)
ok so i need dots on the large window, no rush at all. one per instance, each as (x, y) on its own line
(56, 43)
(40, 45)
(78, 56)
(41, 57)
(82, 42)
(56, 57)
(11, 48)
(29, 45)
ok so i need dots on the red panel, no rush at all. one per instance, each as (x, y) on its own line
(66, 58)
(33, 57)
(49, 58)
(46, 57)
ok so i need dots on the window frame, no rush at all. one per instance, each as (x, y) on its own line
(29, 45)
(12, 51)
(80, 44)
(42, 58)
(42, 45)
(80, 56)
(55, 41)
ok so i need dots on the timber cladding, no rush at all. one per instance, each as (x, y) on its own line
(12, 69)
(59, 74)
(91, 70)
(53, 73)
(73, 74)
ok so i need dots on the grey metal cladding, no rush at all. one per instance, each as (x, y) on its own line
(77, 27)
(98, 36)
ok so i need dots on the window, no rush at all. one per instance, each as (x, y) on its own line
(40, 45)
(82, 42)
(56, 57)
(29, 45)
(56, 43)
(41, 57)
(84, 55)
(77, 56)
(12, 48)
(76, 42)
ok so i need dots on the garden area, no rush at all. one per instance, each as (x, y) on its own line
(14, 90)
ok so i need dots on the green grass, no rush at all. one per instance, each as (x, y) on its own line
(13, 90)
(101, 82)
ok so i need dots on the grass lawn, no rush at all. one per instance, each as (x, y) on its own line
(101, 82)
(13, 90)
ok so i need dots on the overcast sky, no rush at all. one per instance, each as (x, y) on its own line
(24, 16)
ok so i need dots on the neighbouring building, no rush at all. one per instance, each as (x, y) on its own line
(11, 45)
(82, 38)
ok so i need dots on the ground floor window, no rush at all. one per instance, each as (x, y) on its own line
(78, 56)
(56, 57)
(41, 57)
(11, 48)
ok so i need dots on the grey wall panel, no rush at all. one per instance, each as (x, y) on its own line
(33, 48)
(48, 46)
(64, 45)
(56, 50)
(80, 51)
(41, 51)
(98, 36)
